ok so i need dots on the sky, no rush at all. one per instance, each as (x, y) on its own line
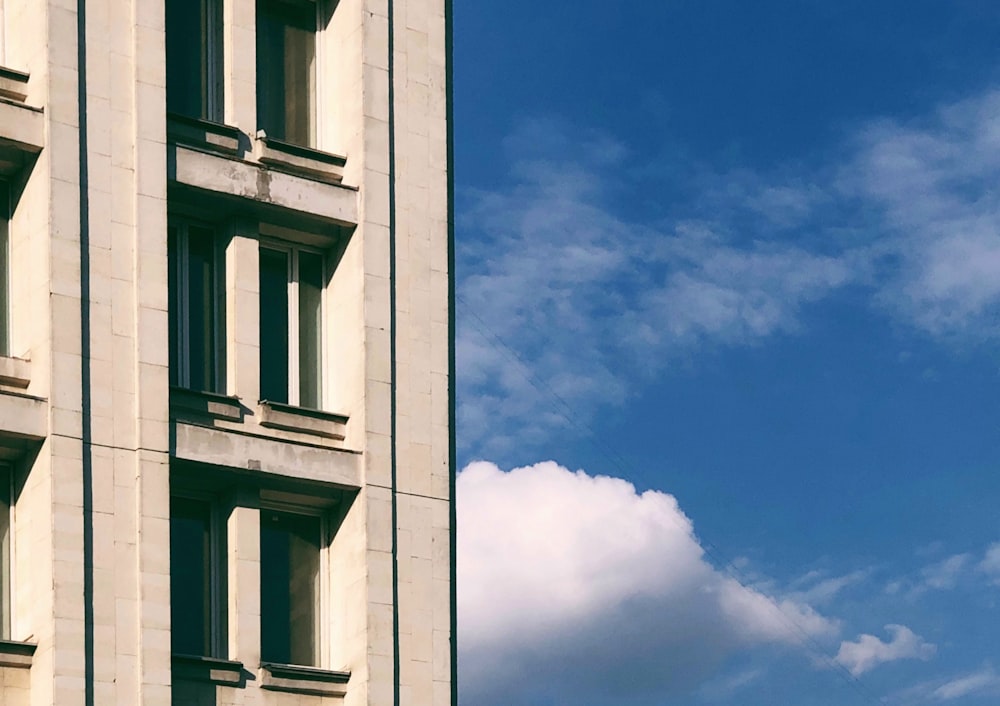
(728, 352)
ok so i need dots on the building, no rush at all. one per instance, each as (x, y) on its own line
(226, 444)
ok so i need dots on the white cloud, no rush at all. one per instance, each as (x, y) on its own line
(562, 572)
(868, 651)
(977, 682)
(589, 301)
(990, 565)
(815, 589)
(944, 575)
(594, 295)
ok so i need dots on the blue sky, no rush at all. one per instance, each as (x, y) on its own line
(728, 352)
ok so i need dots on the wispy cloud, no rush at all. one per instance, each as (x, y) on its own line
(561, 571)
(990, 564)
(818, 589)
(868, 651)
(944, 575)
(984, 680)
(592, 297)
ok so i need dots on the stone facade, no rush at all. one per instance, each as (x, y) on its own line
(139, 344)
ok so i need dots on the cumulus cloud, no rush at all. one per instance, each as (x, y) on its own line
(868, 651)
(571, 292)
(562, 571)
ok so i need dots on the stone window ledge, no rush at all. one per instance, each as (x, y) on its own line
(206, 134)
(276, 415)
(13, 84)
(16, 654)
(303, 680)
(208, 669)
(15, 372)
(295, 159)
(185, 403)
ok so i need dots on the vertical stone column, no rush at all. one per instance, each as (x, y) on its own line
(243, 314)
(422, 347)
(240, 64)
(243, 551)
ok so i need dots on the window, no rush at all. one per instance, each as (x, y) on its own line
(6, 495)
(195, 578)
(286, 70)
(196, 307)
(291, 326)
(194, 58)
(290, 587)
(4, 269)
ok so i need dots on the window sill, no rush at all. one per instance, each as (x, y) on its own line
(13, 84)
(303, 680)
(276, 415)
(15, 372)
(295, 159)
(16, 654)
(208, 669)
(194, 403)
(207, 134)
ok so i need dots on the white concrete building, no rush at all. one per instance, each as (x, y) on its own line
(226, 449)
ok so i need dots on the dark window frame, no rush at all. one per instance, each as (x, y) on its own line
(182, 352)
(270, 651)
(215, 593)
(273, 93)
(295, 393)
(209, 64)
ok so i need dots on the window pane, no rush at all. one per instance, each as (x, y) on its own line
(174, 304)
(289, 593)
(286, 70)
(190, 577)
(194, 58)
(310, 330)
(5, 552)
(4, 271)
(201, 306)
(273, 325)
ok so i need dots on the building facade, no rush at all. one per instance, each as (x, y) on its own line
(226, 440)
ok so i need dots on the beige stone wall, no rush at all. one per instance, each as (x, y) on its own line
(422, 427)
(95, 481)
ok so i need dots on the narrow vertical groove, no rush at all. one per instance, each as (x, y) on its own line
(452, 451)
(85, 392)
(392, 352)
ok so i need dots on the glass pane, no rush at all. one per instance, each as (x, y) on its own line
(310, 330)
(289, 592)
(4, 270)
(273, 325)
(202, 302)
(187, 57)
(174, 303)
(190, 577)
(300, 62)
(286, 70)
(4, 552)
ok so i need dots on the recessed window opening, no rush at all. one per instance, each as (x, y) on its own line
(196, 307)
(194, 58)
(290, 556)
(286, 69)
(196, 584)
(292, 279)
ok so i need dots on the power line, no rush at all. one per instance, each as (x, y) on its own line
(621, 466)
